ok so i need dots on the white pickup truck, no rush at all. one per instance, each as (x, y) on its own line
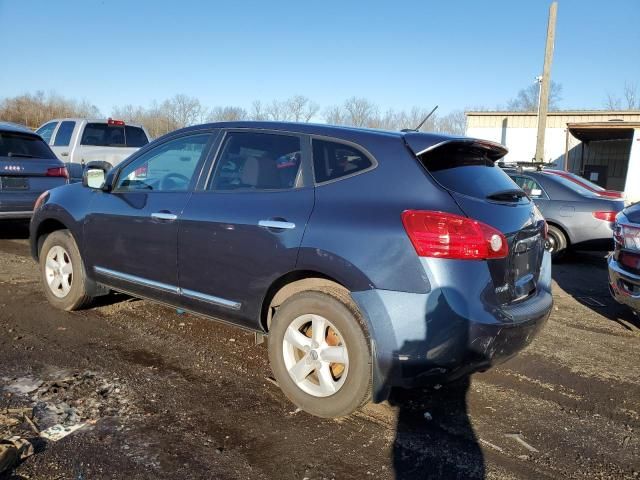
(77, 141)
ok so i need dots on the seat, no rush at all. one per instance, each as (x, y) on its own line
(261, 172)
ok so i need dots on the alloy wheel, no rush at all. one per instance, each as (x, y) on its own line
(315, 355)
(59, 271)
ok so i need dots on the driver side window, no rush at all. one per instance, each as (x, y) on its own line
(167, 168)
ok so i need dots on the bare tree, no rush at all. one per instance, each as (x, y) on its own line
(227, 114)
(454, 123)
(300, 108)
(360, 112)
(527, 98)
(182, 110)
(35, 109)
(631, 96)
(258, 111)
(334, 115)
(612, 102)
(276, 111)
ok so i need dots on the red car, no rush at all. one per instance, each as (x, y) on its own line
(583, 182)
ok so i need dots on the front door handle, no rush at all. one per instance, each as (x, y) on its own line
(280, 224)
(165, 216)
(65, 154)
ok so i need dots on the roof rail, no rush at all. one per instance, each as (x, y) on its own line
(524, 166)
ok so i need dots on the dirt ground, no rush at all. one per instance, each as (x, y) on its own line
(175, 396)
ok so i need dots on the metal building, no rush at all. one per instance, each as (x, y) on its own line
(603, 146)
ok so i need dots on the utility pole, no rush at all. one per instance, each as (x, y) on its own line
(546, 82)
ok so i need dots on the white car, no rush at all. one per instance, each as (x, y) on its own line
(77, 141)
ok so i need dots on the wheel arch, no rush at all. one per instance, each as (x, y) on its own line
(44, 228)
(563, 229)
(288, 285)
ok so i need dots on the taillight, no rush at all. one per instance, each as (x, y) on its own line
(41, 199)
(445, 235)
(605, 216)
(627, 237)
(57, 172)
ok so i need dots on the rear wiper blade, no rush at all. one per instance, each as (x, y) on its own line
(24, 155)
(513, 194)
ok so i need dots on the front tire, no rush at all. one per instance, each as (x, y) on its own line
(62, 272)
(319, 353)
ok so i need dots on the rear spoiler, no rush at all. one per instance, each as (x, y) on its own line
(421, 143)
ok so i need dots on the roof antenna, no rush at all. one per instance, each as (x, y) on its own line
(417, 129)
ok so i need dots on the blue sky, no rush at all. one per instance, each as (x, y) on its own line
(398, 54)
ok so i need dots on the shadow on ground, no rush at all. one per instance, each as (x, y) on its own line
(434, 436)
(584, 276)
(10, 229)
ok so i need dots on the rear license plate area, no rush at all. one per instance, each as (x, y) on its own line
(14, 183)
(525, 262)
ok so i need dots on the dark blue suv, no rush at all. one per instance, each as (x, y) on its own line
(371, 259)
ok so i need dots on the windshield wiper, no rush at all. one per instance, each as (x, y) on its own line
(511, 195)
(24, 155)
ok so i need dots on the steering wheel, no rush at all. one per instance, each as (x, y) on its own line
(172, 180)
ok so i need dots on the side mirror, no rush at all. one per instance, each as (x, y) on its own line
(95, 174)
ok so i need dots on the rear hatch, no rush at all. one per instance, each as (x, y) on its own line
(27, 168)
(466, 169)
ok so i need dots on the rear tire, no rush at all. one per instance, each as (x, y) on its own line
(556, 242)
(62, 272)
(327, 374)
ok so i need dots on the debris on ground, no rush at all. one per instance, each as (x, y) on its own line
(518, 438)
(23, 385)
(58, 432)
(74, 398)
(12, 451)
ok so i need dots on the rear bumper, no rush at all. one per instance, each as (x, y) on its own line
(449, 332)
(17, 204)
(623, 285)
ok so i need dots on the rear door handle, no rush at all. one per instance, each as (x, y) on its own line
(281, 224)
(65, 154)
(167, 217)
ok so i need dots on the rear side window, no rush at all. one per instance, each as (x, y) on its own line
(257, 161)
(63, 136)
(135, 136)
(466, 169)
(529, 186)
(332, 160)
(103, 135)
(46, 131)
(23, 146)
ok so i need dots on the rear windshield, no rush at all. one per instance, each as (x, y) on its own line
(571, 185)
(468, 170)
(586, 182)
(23, 146)
(104, 135)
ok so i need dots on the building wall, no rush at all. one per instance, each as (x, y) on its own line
(518, 130)
(521, 142)
(632, 185)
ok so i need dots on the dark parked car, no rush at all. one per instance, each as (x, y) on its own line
(624, 263)
(577, 217)
(370, 258)
(28, 167)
